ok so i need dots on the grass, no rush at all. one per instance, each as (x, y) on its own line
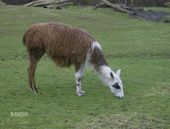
(140, 48)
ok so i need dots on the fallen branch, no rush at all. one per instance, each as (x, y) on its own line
(117, 7)
(33, 3)
(57, 4)
(54, 7)
(1, 2)
(167, 4)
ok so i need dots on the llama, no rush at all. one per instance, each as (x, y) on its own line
(68, 46)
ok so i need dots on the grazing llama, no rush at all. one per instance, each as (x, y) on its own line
(68, 46)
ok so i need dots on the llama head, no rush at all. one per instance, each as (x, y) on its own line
(113, 81)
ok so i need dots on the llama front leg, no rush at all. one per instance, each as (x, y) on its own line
(78, 77)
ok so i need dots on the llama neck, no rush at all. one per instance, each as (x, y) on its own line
(97, 59)
(104, 73)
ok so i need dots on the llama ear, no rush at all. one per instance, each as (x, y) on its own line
(118, 72)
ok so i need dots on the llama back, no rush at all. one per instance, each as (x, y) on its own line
(65, 45)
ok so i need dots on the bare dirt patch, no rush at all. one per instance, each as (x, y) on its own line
(163, 89)
(122, 121)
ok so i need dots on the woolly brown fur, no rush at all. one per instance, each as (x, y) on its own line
(65, 45)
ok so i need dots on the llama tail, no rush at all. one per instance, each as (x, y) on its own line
(24, 38)
(26, 35)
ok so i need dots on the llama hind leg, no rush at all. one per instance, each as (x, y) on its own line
(31, 73)
(34, 56)
(78, 77)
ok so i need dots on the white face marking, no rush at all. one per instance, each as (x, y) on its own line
(112, 80)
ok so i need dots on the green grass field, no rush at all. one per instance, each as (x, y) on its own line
(140, 48)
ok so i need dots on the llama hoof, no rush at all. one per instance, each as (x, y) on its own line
(36, 91)
(81, 93)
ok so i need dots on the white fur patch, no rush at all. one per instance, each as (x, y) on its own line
(96, 45)
(79, 73)
(105, 70)
(87, 62)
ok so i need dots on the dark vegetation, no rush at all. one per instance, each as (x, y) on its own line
(16, 2)
(137, 3)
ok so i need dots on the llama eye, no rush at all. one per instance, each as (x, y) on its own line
(116, 85)
(111, 75)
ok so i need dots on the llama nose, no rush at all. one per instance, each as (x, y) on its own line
(119, 97)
